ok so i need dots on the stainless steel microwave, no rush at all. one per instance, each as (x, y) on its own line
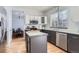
(33, 21)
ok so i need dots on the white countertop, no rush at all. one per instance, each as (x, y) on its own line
(35, 33)
(71, 31)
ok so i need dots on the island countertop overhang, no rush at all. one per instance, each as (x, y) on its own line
(35, 33)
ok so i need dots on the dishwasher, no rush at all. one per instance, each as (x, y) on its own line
(61, 40)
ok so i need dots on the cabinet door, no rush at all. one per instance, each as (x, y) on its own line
(73, 43)
(49, 36)
(44, 20)
(39, 19)
(53, 37)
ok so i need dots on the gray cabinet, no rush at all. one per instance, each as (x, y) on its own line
(51, 36)
(28, 44)
(73, 43)
(36, 43)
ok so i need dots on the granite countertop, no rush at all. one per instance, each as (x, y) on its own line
(35, 33)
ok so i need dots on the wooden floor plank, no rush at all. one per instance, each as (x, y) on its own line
(18, 46)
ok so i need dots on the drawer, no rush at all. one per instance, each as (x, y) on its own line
(73, 36)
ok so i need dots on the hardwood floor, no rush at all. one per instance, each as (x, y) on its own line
(53, 49)
(18, 46)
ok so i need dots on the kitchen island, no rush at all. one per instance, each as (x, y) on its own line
(36, 42)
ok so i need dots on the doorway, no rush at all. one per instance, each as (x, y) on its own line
(18, 21)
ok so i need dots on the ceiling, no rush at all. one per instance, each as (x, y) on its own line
(37, 8)
(40, 8)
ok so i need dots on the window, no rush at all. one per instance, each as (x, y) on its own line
(59, 19)
(63, 19)
(54, 20)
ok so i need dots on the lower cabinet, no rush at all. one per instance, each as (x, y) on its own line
(51, 36)
(36, 44)
(73, 43)
(70, 44)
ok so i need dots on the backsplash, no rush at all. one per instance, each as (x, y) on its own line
(77, 25)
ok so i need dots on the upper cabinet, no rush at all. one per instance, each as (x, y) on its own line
(43, 20)
(39, 20)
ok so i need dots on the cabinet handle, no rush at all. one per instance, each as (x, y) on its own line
(75, 37)
(62, 34)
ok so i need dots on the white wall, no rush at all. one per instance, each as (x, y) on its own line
(9, 26)
(2, 10)
(74, 13)
(17, 23)
(73, 16)
(48, 14)
(28, 11)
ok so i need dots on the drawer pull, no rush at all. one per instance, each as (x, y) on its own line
(75, 37)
